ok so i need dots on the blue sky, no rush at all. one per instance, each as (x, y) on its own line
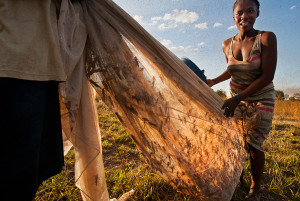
(197, 28)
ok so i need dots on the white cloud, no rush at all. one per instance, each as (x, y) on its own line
(154, 20)
(217, 24)
(139, 18)
(181, 49)
(292, 7)
(177, 49)
(164, 26)
(165, 42)
(202, 25)
(153, 23)
(171, 20)
(182, 16)
(201, 44)
(231, 27)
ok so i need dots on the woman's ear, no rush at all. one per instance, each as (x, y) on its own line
(257, 13)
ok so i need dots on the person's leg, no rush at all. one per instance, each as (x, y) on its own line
(257, 161)
(21, 116)
(23, 113)
(51, 158)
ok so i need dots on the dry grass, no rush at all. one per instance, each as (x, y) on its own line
(287, 110)
(126, 169)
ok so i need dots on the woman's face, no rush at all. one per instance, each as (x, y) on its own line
(245, 14)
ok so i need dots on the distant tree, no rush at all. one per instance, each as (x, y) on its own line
(279, 95)
(296, 96)
(221, 93)
(292, 98)
(286, 97)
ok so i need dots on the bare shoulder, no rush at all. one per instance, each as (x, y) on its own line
(225, 44)
(268, 38)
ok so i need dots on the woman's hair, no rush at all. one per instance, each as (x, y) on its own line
(255, 1)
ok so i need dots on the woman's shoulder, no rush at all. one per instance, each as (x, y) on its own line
(268, 37)
(226, 44)
(269, 44)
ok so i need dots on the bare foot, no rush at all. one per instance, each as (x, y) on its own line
(253, 195)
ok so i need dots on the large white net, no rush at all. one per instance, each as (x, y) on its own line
(174, 118)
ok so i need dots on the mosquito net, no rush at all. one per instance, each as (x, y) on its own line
(174, 118)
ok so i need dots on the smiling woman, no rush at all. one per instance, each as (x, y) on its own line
(251, 57)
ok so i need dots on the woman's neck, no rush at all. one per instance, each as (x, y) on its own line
(248, 34)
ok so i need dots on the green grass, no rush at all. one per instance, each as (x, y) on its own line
(61, 186)
(126, 168)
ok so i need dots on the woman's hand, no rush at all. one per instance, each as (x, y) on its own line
(229, 106)
(210, 83)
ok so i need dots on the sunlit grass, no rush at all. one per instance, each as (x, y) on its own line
(126, 169)
(287, 110)
(61, 186)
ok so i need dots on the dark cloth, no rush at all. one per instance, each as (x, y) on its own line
(31, 147)
(194, 68)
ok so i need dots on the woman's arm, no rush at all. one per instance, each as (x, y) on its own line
(268, 65)
(224, 76)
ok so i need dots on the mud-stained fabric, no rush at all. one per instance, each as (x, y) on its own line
(79, 115)
(257, 109)
(174, 118)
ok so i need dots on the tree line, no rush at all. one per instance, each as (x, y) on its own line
(279, 95)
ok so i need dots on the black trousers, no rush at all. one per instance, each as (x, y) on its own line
(31, 148)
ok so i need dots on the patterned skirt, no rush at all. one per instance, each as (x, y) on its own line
(257, 113)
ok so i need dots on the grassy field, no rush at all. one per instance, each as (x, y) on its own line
(126, 169)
